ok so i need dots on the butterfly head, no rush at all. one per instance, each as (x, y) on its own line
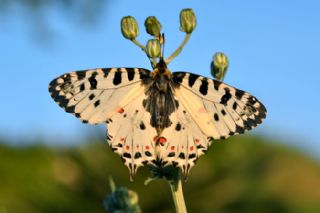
(161, 70)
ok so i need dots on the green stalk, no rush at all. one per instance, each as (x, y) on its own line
(179, 49)
(177, 194)
(139, 45)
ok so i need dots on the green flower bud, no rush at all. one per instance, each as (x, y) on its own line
(153, 48)
(153, 26)
(188, 20)
(121, 200)
(219, 66)
(129, 27)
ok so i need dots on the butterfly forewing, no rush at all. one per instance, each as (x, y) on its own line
(217, 108)
(95, 95)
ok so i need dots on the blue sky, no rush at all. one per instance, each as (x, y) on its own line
(273, 48)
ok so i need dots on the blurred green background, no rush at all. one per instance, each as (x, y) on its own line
(50, 162)
(243, 174)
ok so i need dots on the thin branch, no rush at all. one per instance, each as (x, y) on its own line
(179, 49)
(143, 48)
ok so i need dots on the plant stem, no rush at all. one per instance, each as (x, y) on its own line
(177, 194)
(179, 49)
(139, 45)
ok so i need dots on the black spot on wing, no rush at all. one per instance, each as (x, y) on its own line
(67, 78)
(130, 73)
(204, 87)
(106, 71)
(142, 126)
(93, 82)
(127, 155)
(182, 156)
(178, 127)
(192, 156)
(137, 155)
(82, 87)
(69, 109)
(226, 97)
(239, 94)
(234, 106)
(239, 129)
(216, 84)
(81, 75)
(192, 79)
(216, 117)
(178, 77)
(117, 77)
(91, 97)
(147, 153)
(97, 103)
(171, 154)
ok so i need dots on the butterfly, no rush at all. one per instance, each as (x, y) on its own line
(157, 118)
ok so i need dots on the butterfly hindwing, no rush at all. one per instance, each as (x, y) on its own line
(130, 135)
(95, 95)
(185, 142)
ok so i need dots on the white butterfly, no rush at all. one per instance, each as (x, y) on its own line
(157, 118)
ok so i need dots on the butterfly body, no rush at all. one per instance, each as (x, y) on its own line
(160, 101)
(157, 118)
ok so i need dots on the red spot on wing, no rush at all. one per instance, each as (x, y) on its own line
(191, 148)
(127, 147)
(147, 147)
(155, 139)
(172, 148)
(122, 139)
(120, 110)
(162, 140)
(197, 140)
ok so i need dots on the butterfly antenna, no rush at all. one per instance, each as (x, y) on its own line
(162, 42)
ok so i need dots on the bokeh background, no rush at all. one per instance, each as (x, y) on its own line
(51, 162)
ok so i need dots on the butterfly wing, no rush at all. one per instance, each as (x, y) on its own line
(95, 95)
(208, 109)
(114, 96)
(218, 109)
(185, 142)
(130, 135)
